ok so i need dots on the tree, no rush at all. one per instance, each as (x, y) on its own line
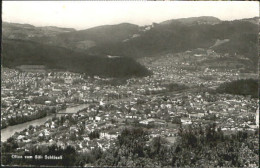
(94, 134)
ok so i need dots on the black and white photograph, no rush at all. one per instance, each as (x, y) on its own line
(130, 84)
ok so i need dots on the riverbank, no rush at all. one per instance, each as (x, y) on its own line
(10, 130)
(21, 120)
(41, 114)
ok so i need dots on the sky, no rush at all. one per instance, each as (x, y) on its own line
(86, 14)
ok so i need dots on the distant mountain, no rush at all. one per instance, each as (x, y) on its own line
(254, 20)
(101, 35)
(174, 37)
(194, 20)
(230, 38)
(27, 31)
(126, 39)
(24, 52)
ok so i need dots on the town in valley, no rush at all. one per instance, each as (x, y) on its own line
(174, 96)
(169, 93)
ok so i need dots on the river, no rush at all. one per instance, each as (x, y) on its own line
(10, 130)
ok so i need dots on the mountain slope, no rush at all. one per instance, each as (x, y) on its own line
(230, 38)
(177, 37)
(30, 32)
(254, 20)
(22, 52)
(85, 39)
(194, 20)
